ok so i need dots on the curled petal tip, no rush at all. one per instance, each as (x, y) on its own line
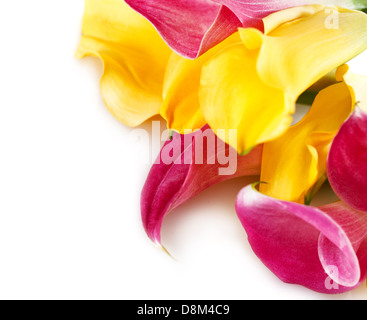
(306, 245)
(201, 160)
(161, 247)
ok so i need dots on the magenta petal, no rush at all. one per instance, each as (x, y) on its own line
(347, 161)
(190, 172)
(322, 248)
(225, 24)
(335, 250)
(190, 27)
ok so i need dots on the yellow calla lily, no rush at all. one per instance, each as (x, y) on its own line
(294, 162)
(181, 107)
(253, 86)
(241, 100)
(306, 145)
(134, 57)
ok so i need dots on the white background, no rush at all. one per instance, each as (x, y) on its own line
(69, 187)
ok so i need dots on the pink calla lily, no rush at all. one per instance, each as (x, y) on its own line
(186, 166)
(347, 161)
(192, 27)
(323, 249)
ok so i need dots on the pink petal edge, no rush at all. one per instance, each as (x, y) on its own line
(170, 185)
(323, 249)
(347, 161)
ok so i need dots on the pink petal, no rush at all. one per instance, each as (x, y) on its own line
(192, 27)
(169, 185)
(347, 161)
(323, 249)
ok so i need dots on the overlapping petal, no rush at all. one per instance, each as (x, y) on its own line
(191, 27)
(253, 87)
(295, 161)
(321, 30)
(323, 249)
(186, 166)
(134, 58)
(181, 106)
(347, 160)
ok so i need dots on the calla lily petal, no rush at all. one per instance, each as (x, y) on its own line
(347, 161)
(181, 106)
(347, 169)
(294, 162)
(236, 99)
(319, 248)
(320, 30)
(186, 166)
(261, 80)
(134, 58)
(191, 27)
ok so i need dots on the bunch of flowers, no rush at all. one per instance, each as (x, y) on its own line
(226, 76)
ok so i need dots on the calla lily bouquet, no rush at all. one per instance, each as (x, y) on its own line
(226, 76)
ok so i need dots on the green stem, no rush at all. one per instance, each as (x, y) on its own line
(317, 186)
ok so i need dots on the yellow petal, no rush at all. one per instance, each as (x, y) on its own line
(326, 81)
(254, 89)
(294, 162)
(181, 108)
(296, 54)
(273, 21)
(134, 58)
(233, 96)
